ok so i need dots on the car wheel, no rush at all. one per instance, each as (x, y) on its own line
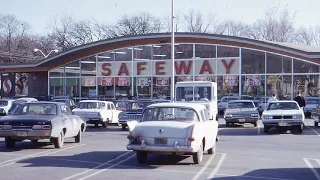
(227, 124)
(197, 157)
(255, 124)
(123, 127)
(265, 129)
(105, 124)
(10, 143)
(213, 149)
(316, 124)
(299, 128)
(78, 137)
(59, 141)
(34, 141)
(141, 156)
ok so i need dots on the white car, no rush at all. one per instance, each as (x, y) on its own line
(284, 115)
(5, 105)
(173, 129)
(97, 112)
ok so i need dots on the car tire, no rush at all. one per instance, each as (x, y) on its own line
(34, 141)
(123, 127)
(213, 149)
(227, 124)
(141, 156)
(197, 157)
(299, 129)
(255, 124)
(105, 124)
(316, 124)
(265, 129)
(10, 143)
(59, 141)
(77, 138)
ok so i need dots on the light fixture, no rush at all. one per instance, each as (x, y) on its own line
(88, 62)
(104, 57)
(119, 52)
(72, 67)
(137, 49)
(159, 55)
(179, 52)
(36, 50)
(156, 46)
(141, 59)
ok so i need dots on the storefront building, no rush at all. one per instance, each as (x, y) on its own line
(141, 66)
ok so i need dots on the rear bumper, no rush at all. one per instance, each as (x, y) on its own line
(162, 149)
(241, 120)
(30, 134)
(94, 120)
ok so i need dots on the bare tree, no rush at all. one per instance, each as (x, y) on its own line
(196, 22)
(232, 28)
(177, 22)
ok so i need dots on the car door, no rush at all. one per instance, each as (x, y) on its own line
(210, 128)
(67, 118)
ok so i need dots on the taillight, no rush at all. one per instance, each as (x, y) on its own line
(41, 127)
(191, 139)
(46, 127)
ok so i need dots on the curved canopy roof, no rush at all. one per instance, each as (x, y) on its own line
(298, 51)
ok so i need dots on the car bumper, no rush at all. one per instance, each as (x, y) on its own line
(94, 120)
(272, 123)
(241, 120)
(26, 134)
(162, 149)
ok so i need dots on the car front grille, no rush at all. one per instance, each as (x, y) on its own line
(134, 116)
(241, 115)
(282, 117)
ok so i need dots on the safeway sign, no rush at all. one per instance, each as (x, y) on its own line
(8, 85)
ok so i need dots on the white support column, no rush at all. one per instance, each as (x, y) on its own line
(292, 80)
(172, 53)
(240, 72)
(132, 73)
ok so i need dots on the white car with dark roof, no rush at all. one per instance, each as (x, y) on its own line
(283, 115)
(173, 129)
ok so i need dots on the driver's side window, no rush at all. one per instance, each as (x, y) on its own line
(65, 109)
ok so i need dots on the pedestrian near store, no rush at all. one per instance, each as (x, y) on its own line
(272, 98)
(300, 100)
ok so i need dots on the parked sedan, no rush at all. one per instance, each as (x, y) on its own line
(41, 120)
(241, 111)
(315, 115)
(173, 129)
(283, 115)
(311, 104)
(5, 105)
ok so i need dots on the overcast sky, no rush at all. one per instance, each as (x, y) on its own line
(40, 13)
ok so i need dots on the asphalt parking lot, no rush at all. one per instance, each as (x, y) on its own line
(243, 152)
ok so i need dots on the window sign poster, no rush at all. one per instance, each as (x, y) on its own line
(230, 80)
(143, 81)
(89, 81)
(106, 81)
(204, 78)
(92, 92)
(124, 81)
(252, 80)
(162, 81)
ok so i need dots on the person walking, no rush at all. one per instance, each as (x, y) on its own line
(272, 98)
(300, 100)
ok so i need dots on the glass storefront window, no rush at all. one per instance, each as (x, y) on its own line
(308, 85)
(183, 51)
(143, 87)
(73, 87)
(253, 62)
(123, 86)
(279, 85)
(142, 53)
(88, 66)
(73, 69)
(162, 51)
(56, 86)
(124, 54)
(88, 87)
(305, 67)
(228, 85)
(161, 87)
(57, 72)
(225, 51)
(105, 88)
(278, 64)
(205, 51)
(253, 85)
(106, 56)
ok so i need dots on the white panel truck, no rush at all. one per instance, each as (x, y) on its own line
(202, 92)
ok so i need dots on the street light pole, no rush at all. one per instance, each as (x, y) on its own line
(172, 53)
(38, 50)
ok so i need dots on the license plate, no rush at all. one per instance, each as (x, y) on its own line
(22, 133)
(283, 124)
(242, 120)
(160, 140)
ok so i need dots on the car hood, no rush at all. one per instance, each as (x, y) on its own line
(27, 117)
(311, 106)
(170, 129)
(281, 112)
(222, 104)
(242, 110)
(76, 110)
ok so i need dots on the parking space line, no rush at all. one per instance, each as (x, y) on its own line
(70, 160)
(96, 167)
(314, 130)
(11, 154)
(314, 171)
(253, 177)
(51, 151)
(105, 169)
(216, 169)
(204, 167)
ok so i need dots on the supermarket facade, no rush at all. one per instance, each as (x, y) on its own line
(141, 66)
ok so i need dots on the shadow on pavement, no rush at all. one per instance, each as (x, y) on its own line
(24, 145)
(278, 173)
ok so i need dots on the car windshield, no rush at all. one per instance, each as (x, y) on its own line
(91, 105)
(283, 106)
(36, 109)
(169, 114)
(234, 105)
(229, 99)
(3, 103)
(313, 101)
(196, 93)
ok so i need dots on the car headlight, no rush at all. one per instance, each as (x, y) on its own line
(266, 117)
(297, 116)
(254, 115)
(228, 115)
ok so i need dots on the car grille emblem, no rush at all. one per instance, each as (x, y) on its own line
(160, 131)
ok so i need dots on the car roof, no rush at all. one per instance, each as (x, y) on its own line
(310, 97)
(27, 99)
(223, 97)
(284, 101)
(45, 102)
(241, 101)
(194, 106)
(95, 101)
